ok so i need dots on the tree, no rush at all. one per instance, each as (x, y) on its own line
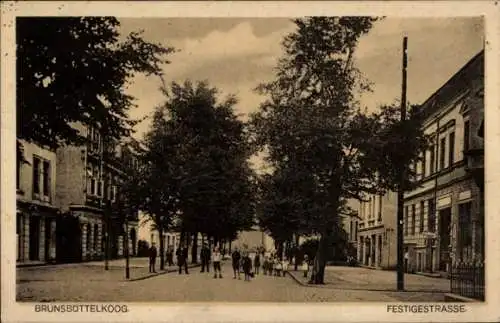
(311, 123)
(157, 180)
(198, 178)
(75, 69)
(213, 152)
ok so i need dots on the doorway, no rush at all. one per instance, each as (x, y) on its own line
(444, 238)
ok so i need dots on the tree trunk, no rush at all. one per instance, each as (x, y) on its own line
(230, 242)
(318, 276)
(297, 237)
(181, 239)
(279, 249)
(194, 250)
(162, 248)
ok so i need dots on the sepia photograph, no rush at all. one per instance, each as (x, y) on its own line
(299, 159)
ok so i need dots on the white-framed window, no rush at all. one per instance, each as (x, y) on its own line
(41, 178)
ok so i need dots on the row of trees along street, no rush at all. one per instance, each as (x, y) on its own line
(194, 174)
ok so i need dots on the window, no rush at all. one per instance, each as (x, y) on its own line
(465, 231)
(466, 135)
(422, 205)
(423, 165)
(442, 153)
(431, 222)
(413, 219)
(432, 161)
(46, 178)
(350, 230)
(379, 218)
(36, 175)
(451, 155)
(406, 220)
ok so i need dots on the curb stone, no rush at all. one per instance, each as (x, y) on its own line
(298, 281)
(158, 274)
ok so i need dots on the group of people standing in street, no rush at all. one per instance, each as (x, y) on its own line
(182, 256)
(241, 262)
(273, 266)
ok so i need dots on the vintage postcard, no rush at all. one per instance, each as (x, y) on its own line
(249, 161)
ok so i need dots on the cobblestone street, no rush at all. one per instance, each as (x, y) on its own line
(90, 282)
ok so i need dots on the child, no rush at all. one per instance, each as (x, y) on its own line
(247, 266)
(305, 266)
(216, 259)
(285, 264)
(279, 267)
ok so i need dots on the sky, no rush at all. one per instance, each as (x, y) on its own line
(236, 54)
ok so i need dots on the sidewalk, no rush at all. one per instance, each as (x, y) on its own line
(356, 278)
(94, 271)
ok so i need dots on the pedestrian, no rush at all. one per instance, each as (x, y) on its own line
(182, 259)
(170, 256)
(406, 257)
(284, 264)
(247, 266)
(152, 258)
(256, 263)
(216, 259)
(236, 257)
(305, 266)
(279, 267)
(205, 258)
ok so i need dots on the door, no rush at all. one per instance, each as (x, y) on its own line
(68, 239)
(48, 237)
(444, 237)
(34, 238)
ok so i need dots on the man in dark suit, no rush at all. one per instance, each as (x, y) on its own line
(205, 258)
(152, 258)
(182, 259)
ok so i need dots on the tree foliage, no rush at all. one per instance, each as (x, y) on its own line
(313, 129)
(75, 69)
(196, 177)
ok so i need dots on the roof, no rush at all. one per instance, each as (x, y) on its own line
(459, 82)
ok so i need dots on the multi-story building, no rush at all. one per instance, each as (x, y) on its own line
(83, 176)
(377, 241)
(350, 224)
(443, 217)
(36, 208)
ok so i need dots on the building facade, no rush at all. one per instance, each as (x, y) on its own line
(377, 241)
(350, 224)
(36, 212)
(444, 215)
(82, 178)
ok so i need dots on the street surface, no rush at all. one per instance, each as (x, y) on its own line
(89, 282)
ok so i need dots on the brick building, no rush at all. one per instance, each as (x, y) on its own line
(444, 216)
(36, 209)
(82, 176)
